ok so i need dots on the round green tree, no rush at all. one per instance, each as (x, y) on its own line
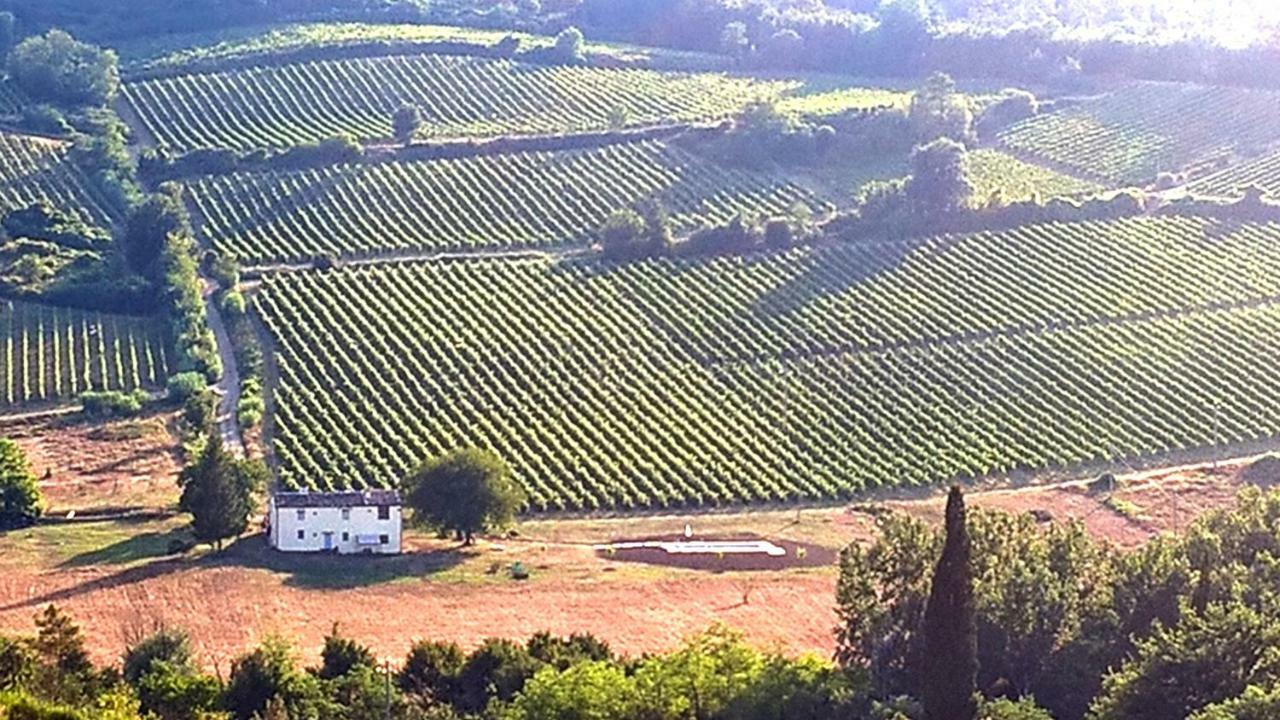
(465, 492)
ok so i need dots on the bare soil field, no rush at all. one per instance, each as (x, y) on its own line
(115, 575)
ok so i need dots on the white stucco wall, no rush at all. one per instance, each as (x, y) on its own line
(292, 533)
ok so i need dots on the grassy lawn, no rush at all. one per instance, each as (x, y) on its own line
(115, 543)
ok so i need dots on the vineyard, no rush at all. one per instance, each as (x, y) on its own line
(808, 374)
(52, 353)
(1133, 134)
(173, 53)
(521, 200)
(991, 172)
(281, 106)
(1263, 171)
(35, 169)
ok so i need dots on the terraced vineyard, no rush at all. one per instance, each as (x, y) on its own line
(52, 353)
(810, 374)
(1136, 132)
(517, 200)
(1262, 171)
(35, 169)
(992, 171)
(279, 106)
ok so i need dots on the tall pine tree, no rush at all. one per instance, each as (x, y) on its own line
(218, 492)
(950, 631)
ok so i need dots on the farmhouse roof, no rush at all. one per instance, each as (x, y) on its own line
(353, 498)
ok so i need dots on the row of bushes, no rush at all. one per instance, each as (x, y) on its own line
(158, 166)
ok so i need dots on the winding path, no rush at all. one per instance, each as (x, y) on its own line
(228, 386)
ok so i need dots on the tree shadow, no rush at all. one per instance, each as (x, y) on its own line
(123, 578)
(332, 571)
(303, 570)
(147, 546)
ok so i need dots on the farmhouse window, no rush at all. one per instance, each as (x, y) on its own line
(302, 534)
(302, 514)
(346, 513)
(384, 539)
(346, 536)
(384, 512)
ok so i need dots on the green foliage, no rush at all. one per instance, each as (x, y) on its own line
(563, 652)
(939, 185)
(270, 673)
(20, 501)
(1005, 709)
(1255, 703)
(939, 111)
(64, 672)
(58, 68)
(497, 670)
(1208, 657)
(405, 123)
(218, 489)
(701, 679)
(160, 667)
(467, 491)
(590, 690)
(631, 235)
(233, 303)
(17, 663)
(1013, 106)
(185, 385)
(487, 98)
(150, 229)
(113, 403)
(621, 232)
(1181, 623)
(569, 46)
(43, 221)
(431, 670)
(342, 655)
(165, 645)
(173, 692)
(950, 630)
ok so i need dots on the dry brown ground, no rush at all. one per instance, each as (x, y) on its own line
(115, 577)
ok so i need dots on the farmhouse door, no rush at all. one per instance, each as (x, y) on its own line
(328, 541)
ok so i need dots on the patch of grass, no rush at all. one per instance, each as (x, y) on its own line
(1124, 507)
(79, 544)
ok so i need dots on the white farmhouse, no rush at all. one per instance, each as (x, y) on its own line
(366, 521)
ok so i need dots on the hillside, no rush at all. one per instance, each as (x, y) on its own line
(808, 374)
(1133, 133)
(494, 201)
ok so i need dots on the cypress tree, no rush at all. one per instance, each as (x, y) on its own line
(218, 492)
(950, 632)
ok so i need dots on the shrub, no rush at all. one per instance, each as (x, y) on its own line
(233, 303)
(569, 46)
(45, 119)
(185, 385)
(1014, 106)
(405, 123)
(1263, 472)
(622, 235)
(113, 403)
